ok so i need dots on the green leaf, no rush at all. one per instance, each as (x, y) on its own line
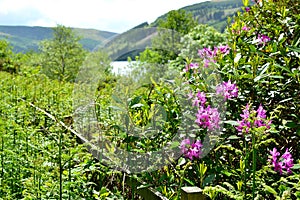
(138, 105)
(276, 76)
(233, 137)
(116, 108)
(209, 179)
(227, 173)
(296, 166)
(231, 122)
(260, 77)
(189, 181)
(237, 58)
(297, 49)
(181, 161)
(284, 68)
(270, 190)
(265, 67)
(117, 99)
(175, 144)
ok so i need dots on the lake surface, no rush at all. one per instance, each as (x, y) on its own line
(121, 67)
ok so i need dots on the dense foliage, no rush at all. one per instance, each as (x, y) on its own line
(63, 55)
(242, 88)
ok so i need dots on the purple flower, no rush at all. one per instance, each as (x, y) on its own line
(207, 62)
(224, 49)
(244, 126)
(263, 39)
(247, 9)
(199, 100)
(285, 162)
(246, 112)
(190, 95)
(288, 161)
(206, 53)
(258, 117)
(245, 28)
(208, 117)
(191, 151)
(191, 66)
(261, 113)
(274, 153)
(202, 97)
(184, 146)
(227, 89)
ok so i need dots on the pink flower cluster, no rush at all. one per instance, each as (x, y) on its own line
(227, 89)
(285, 162)
(259, 120)
(191, 151)
(191, 66)
(246, 28)
(207, 117)
(208, 55)
(263, 39)
(199, 99)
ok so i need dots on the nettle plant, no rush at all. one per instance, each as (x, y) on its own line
(260, 64)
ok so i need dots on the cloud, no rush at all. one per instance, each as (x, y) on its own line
(110, 15)
(19, 17)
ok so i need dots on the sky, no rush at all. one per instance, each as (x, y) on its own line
(106, 15)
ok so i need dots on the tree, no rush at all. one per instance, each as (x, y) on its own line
(199, 37)
(63, 55)
(6, 57)
(170, 30)
(179, 21)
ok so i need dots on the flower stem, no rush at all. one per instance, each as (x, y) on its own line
(245, 169)
(254, 165)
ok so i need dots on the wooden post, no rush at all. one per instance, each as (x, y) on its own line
(192, 193)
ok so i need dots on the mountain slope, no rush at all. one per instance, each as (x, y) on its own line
(25, 38)
(214, 13)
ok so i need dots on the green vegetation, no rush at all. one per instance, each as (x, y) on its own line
(228, 104)
(168, 40)
(63, 55)
(6, 57)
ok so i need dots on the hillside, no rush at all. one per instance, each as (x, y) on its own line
(214, 13)
(25, 38)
